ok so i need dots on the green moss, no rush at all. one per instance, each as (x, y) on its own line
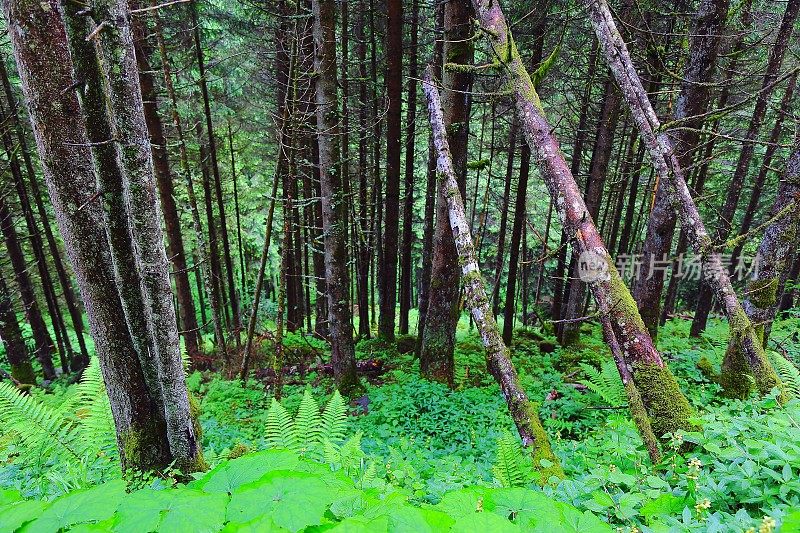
(23, 373)
(544, 460)
(406, 343)
(735, 375)
(707, 369)
(238, 450)
(667, 407)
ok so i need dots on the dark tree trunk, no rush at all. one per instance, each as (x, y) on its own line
(693, 101)
(334, 202)
(408, 199)
(41, 336)
(436, 356)
(516, 236)
(363, 239)
(11, 336)
(501, 235)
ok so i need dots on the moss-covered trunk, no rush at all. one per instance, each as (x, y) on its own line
(669, 169)
(11, 335)
(666, 405)
(522, 411)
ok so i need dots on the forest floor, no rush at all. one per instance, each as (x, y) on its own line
(429, 443)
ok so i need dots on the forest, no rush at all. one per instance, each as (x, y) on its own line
(400, 266)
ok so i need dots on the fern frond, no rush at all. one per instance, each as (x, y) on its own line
(330, 454)
(350, 454)
(280, 431)
(605, 382)
(307, 424)
(334, 419)
(508, 467)
(788, 372)
(40, 430)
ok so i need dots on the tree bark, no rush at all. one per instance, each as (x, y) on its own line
(130, 132)
(436, 356)
(668, 167)
(163, 174)
(498, 359)
(334, 202)
(500, 257)
(666, 406)
(693, 101)
(43, 60)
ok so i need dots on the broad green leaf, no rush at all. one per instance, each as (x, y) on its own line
(230, 475)
(294, 500)
(471, 523)
(462, 502)
(172, 510)
(791, 523)
(80, 506)
(14, 515)
(262, 524)
(362, 524)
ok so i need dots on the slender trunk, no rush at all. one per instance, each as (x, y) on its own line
(516, 236)
(666, 406)
(41, 336)
(408, 199)
(501, 235)
(362, 222)
(334, 202)
(166, 194)
(11, 337)
(430, 195)
(212, 152)
(438, 342)
(234, 179)
(498, 359)
(668, 167)
(789, 294)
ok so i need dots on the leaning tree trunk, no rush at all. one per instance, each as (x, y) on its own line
(334, 202)
(139, 189)
(11, 337)
(38, 36)
(498, 359)
(666, 405)
(438, 338)
(669, 169)
(774, 254)
(693, 100)
(736, 184)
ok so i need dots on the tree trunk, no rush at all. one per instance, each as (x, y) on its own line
(130, 131)
(516, 236)
(212, 152)
(66, 285)
(163, 174)
(11, 337)
(668, 167)
(666, 406)
(37, 35)
(498, 360)
(693, 101)
(41, 336)
(436, 356)
(406, 261)
(789, 294)
(501, 234)
(334, 202)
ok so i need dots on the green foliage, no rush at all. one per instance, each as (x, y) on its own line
(605, 382)
(788, 372)
(509, 468)
(277, 490)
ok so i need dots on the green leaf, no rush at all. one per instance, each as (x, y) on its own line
(262, 524)
(791, 523)
(17, 514)
(666, 504)
(230, 475)
(80, 506)
(602, 499)
(462, 502)
(172, 510)
(483, 522)
(294, 500)
(362, 524)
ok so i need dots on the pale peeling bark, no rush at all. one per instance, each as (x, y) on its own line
(45, 68)
(669, 170)
(144, 210)
(334, 202)
(498, 357)
(693, 100)
(666, 405)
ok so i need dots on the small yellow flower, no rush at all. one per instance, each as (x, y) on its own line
(767, 525)
(702, 505)
(750, 530)
(479, 506)
(695, 463)
(612, 468)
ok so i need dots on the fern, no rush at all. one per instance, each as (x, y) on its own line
(334, 418)
(605, 382)
(280, 427)
(788, 372)
(307, 424)
(508, 468)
